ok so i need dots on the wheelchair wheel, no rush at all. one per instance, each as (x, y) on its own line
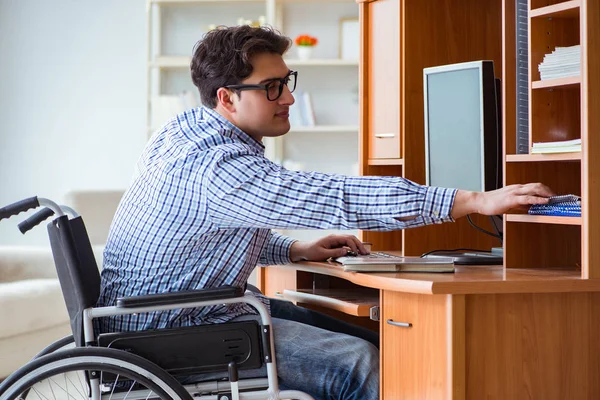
(65, 375)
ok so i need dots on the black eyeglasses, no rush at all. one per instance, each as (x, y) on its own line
(273, 88)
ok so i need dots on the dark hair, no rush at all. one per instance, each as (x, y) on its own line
(222, 57)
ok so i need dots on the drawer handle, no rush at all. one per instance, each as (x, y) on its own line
(384, 135)
(278, 294)
(400, 324)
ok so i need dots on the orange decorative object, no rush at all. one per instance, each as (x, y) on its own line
(306, 40)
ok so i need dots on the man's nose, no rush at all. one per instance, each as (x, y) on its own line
(286, 98)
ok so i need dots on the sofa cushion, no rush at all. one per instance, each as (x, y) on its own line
(31, 305)
(19, 263)
(26, 262)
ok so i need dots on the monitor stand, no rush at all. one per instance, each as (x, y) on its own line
(495, 257)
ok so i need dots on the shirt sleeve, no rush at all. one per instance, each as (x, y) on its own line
(247, 190)
(277, 250)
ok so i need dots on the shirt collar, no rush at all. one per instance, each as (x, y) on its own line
(232, 131)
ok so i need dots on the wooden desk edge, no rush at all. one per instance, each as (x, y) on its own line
(466, 280)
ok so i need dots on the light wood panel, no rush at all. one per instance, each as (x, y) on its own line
(563, 9)
(414, 363)
(272, 284)
(591, 138)
(552, 5)
(465, 280)
(533, 346)
(383, 80)
(357, 302)
(543, 219)
(574, 156)
(272, 281)
(571, 81)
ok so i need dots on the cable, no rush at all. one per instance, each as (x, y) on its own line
(500, 234)
(483, 230)
(454, 250)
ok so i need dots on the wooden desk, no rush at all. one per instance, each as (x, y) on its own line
(479, 333)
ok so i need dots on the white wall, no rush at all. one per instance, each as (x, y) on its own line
(72, 99)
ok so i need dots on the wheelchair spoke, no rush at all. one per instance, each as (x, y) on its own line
(114, 385)
(40, 395)
(50, 377)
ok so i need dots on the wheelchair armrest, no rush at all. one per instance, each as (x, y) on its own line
(189, 296)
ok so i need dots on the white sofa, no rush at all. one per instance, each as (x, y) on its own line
(32, 310)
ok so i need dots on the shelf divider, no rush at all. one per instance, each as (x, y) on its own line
(566, 9)
(574, 156)
(543, 219)
(568, 82)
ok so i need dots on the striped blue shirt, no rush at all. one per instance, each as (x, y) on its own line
(201, 207)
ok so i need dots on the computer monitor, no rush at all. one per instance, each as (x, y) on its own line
(462, 137)
(463, 147)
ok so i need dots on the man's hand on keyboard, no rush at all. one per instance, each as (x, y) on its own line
(326, 247)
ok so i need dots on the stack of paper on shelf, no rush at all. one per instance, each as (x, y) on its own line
(559, 206)
(564, 146)
(561, 63)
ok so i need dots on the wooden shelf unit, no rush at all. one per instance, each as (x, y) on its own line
(557, 111)
(395, 50)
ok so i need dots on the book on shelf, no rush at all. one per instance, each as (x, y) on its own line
(559, 206)
(384, 262)
(562, 146)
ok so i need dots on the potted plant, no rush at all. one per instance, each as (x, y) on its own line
(304, 45)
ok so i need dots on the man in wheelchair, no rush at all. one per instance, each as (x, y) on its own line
(195, 222)
(201, 209)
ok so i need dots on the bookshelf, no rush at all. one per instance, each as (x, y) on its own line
(560, 109)
(174, 26)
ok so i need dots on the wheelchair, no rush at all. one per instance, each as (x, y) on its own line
(139, 364)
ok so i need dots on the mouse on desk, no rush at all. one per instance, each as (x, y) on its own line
(351, 253)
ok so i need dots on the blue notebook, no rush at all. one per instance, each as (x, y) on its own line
(560, 206)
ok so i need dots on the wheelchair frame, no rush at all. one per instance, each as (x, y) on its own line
(71, 247)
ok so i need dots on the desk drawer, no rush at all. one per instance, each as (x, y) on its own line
(414, 346)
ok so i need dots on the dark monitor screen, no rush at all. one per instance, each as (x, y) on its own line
(462, 138)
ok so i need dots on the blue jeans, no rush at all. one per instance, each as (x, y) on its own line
(323, 356)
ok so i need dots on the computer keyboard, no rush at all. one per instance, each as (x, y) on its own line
(379, 255)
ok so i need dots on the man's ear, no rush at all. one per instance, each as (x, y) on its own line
(225, 99)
